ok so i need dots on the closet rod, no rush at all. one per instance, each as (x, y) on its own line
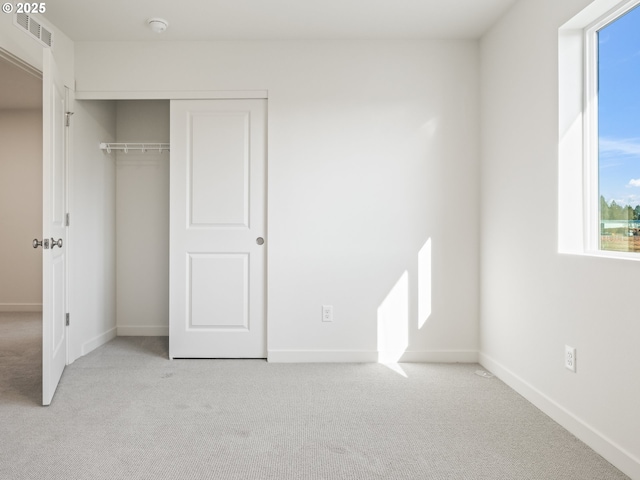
(143, 147)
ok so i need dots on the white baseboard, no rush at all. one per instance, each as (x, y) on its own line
(143, 331)
(98, 341)
(369, 356)
(20, 307)
(613, 453)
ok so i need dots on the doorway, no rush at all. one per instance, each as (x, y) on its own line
(20, 223)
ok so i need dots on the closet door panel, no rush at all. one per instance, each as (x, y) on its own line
(219, 164)
(219, 290)
(218, 196)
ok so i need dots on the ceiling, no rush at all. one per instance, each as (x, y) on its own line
(191, 20)
(125, 20)
(18, 88)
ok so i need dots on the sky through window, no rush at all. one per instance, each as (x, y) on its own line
(619, 110)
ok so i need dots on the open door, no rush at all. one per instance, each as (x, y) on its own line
(54, 241)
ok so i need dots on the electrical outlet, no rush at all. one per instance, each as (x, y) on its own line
(327, 313)
(570, 358)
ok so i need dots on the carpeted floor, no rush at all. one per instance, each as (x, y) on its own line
(126, 412)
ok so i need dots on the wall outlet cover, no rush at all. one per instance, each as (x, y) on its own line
(570, 358)
(327, 313)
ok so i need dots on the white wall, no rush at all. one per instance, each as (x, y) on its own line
(20, 210)
(92, 249)
(20, 44)
(533, 299)
(142, 220)
(373, 150)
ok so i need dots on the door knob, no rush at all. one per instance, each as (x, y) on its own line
(44, 243)
(55, 243)
(260, 240)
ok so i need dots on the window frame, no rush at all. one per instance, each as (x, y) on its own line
(592, 234)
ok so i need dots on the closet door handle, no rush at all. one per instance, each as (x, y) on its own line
(55, 243)
(260, 241)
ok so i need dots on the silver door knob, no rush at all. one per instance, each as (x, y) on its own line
(44, 243)
(55, 243)
(260, 241)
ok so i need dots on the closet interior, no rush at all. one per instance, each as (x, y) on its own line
(139, 151)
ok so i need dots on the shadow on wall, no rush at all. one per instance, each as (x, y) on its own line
(393, 313)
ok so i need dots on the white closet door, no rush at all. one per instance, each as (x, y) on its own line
(218, 229)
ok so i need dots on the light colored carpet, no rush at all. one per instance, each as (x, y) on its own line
(126, 412)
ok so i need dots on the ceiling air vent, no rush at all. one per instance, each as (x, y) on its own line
(33, 28)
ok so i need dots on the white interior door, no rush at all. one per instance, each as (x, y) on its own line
(218, 229)
(54, 176)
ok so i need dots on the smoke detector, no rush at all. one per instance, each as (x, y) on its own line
(158, 25)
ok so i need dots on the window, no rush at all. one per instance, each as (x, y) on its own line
(612, 131)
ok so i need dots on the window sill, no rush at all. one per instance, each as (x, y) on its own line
(634, 257)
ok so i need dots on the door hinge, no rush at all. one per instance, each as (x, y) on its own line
(67, 220)
(67, 320)
(67, 120)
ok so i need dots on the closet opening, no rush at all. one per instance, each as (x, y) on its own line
(142, 219)
(119, 221)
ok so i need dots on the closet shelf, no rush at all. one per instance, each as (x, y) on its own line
(137, 147)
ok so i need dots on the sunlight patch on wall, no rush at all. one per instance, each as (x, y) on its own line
(571, 177)
(393, 322)
(424, 283)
